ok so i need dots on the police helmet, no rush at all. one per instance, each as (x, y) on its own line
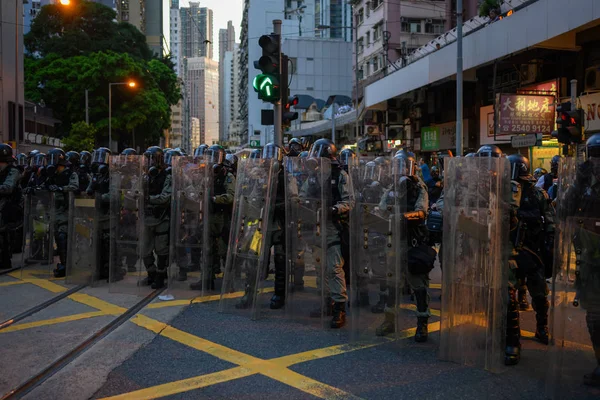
(129, 152)
(347, 157)
(38, 160)
(489, 150)
(404, 164)
(273, 151)
(6, 154)
(296, 147)
(592, 146)
(469, 155)
(56, 157)
(303, 154)
(169, 156)
(538, 172)
(101, 156)
(232, 161)
(200, 150)
(554, 163)
(72, 157)
(372, 172)
(519, 166)
(255, 154)
(22, 160)
(155, 157)
(85, 158)
(215, 154)
(323, 148)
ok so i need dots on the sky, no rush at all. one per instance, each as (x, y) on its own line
(223, 11)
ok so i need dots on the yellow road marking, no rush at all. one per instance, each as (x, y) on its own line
(97, 303)
(12, 283)
(435, 286)
(53, 321)
(413, 307)
(184, 385)
(203, 299)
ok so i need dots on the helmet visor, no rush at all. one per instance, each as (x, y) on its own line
(55, 158)
(214, 156)
(100, 157)
(273, 152)
(322, 150)
(403, 166)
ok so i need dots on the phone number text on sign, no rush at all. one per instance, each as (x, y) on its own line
(526, 114)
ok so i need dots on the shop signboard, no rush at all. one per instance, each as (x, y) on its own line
(430, 138)
(543, 88)
(526, 114)
(591, 108)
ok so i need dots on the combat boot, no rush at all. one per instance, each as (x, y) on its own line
(512, 352)
(159, 280)
(422, 307)
(388, 326)
(540, 305)
(278, 299)
(421, 334)
(246, 300)
(523, 303)
(339, 315)
(182, 275)
(327, 311)
(379, 308)
(60, 271)
(149, 279)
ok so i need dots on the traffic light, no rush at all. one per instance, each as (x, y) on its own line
(267, 83)
(288, 116)
(569, 123)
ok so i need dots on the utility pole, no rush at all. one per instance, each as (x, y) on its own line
(356, 79)
(333, 121)
(277, 132)
(459, 78)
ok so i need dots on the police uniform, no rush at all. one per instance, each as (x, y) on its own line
(220, 219)
(156, 225)
(63, 182)
(99, 186)
(9, 204)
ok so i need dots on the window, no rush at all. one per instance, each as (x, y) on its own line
(377, 32)
(124, 16)
(411, 26)
(360, 16)
(376, 64)
(434, 26)
(376, 3)
(361, 74)
(368, 41)
(360, 45)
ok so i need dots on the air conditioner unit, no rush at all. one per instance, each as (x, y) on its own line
(592, 78)
(372, 130)
(529, 73)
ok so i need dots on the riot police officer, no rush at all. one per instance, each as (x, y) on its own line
(74, 162)
(413, 193)
(221, 209)
(61, 180)
(343, 201)
(582, 204)
(548, 180)
(10, 199)
(169, 158)
(295, 147)
(231, 162)
(200, 150)
(100, 185)
(532, 234)
(129, 152)
(157, 210)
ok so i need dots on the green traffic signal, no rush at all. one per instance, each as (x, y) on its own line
(267, 87)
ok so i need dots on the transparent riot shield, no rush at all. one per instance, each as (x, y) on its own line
(192, 183)
(38, 232)
(475, 259)
(126, 224)
(84, 239)
(575, 300)
(308, 222)
(244, 287)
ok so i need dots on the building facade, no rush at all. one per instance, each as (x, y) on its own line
(226, 45)
(196, 31)
(11, 71)
(175, 37)
(202, 89)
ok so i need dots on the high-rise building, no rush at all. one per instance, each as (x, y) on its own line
(175, 30)
(226, 45)
(11, 71)
(334, 17)
(156, 19)
(228, 99)
(196, 31)
(202, 97)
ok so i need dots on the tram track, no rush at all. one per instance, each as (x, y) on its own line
(8, 271)
(40, 307)
(56, 366)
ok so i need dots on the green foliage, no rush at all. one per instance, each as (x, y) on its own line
(81, 28)
(82, 137)
(80, 47)
(486, 6)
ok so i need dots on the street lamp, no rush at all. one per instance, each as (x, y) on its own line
(131, 84)
(65, 2)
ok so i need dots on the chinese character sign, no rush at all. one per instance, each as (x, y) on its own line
(525, 114)
(430, 138)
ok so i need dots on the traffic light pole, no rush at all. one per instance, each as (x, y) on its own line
(277, 134)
